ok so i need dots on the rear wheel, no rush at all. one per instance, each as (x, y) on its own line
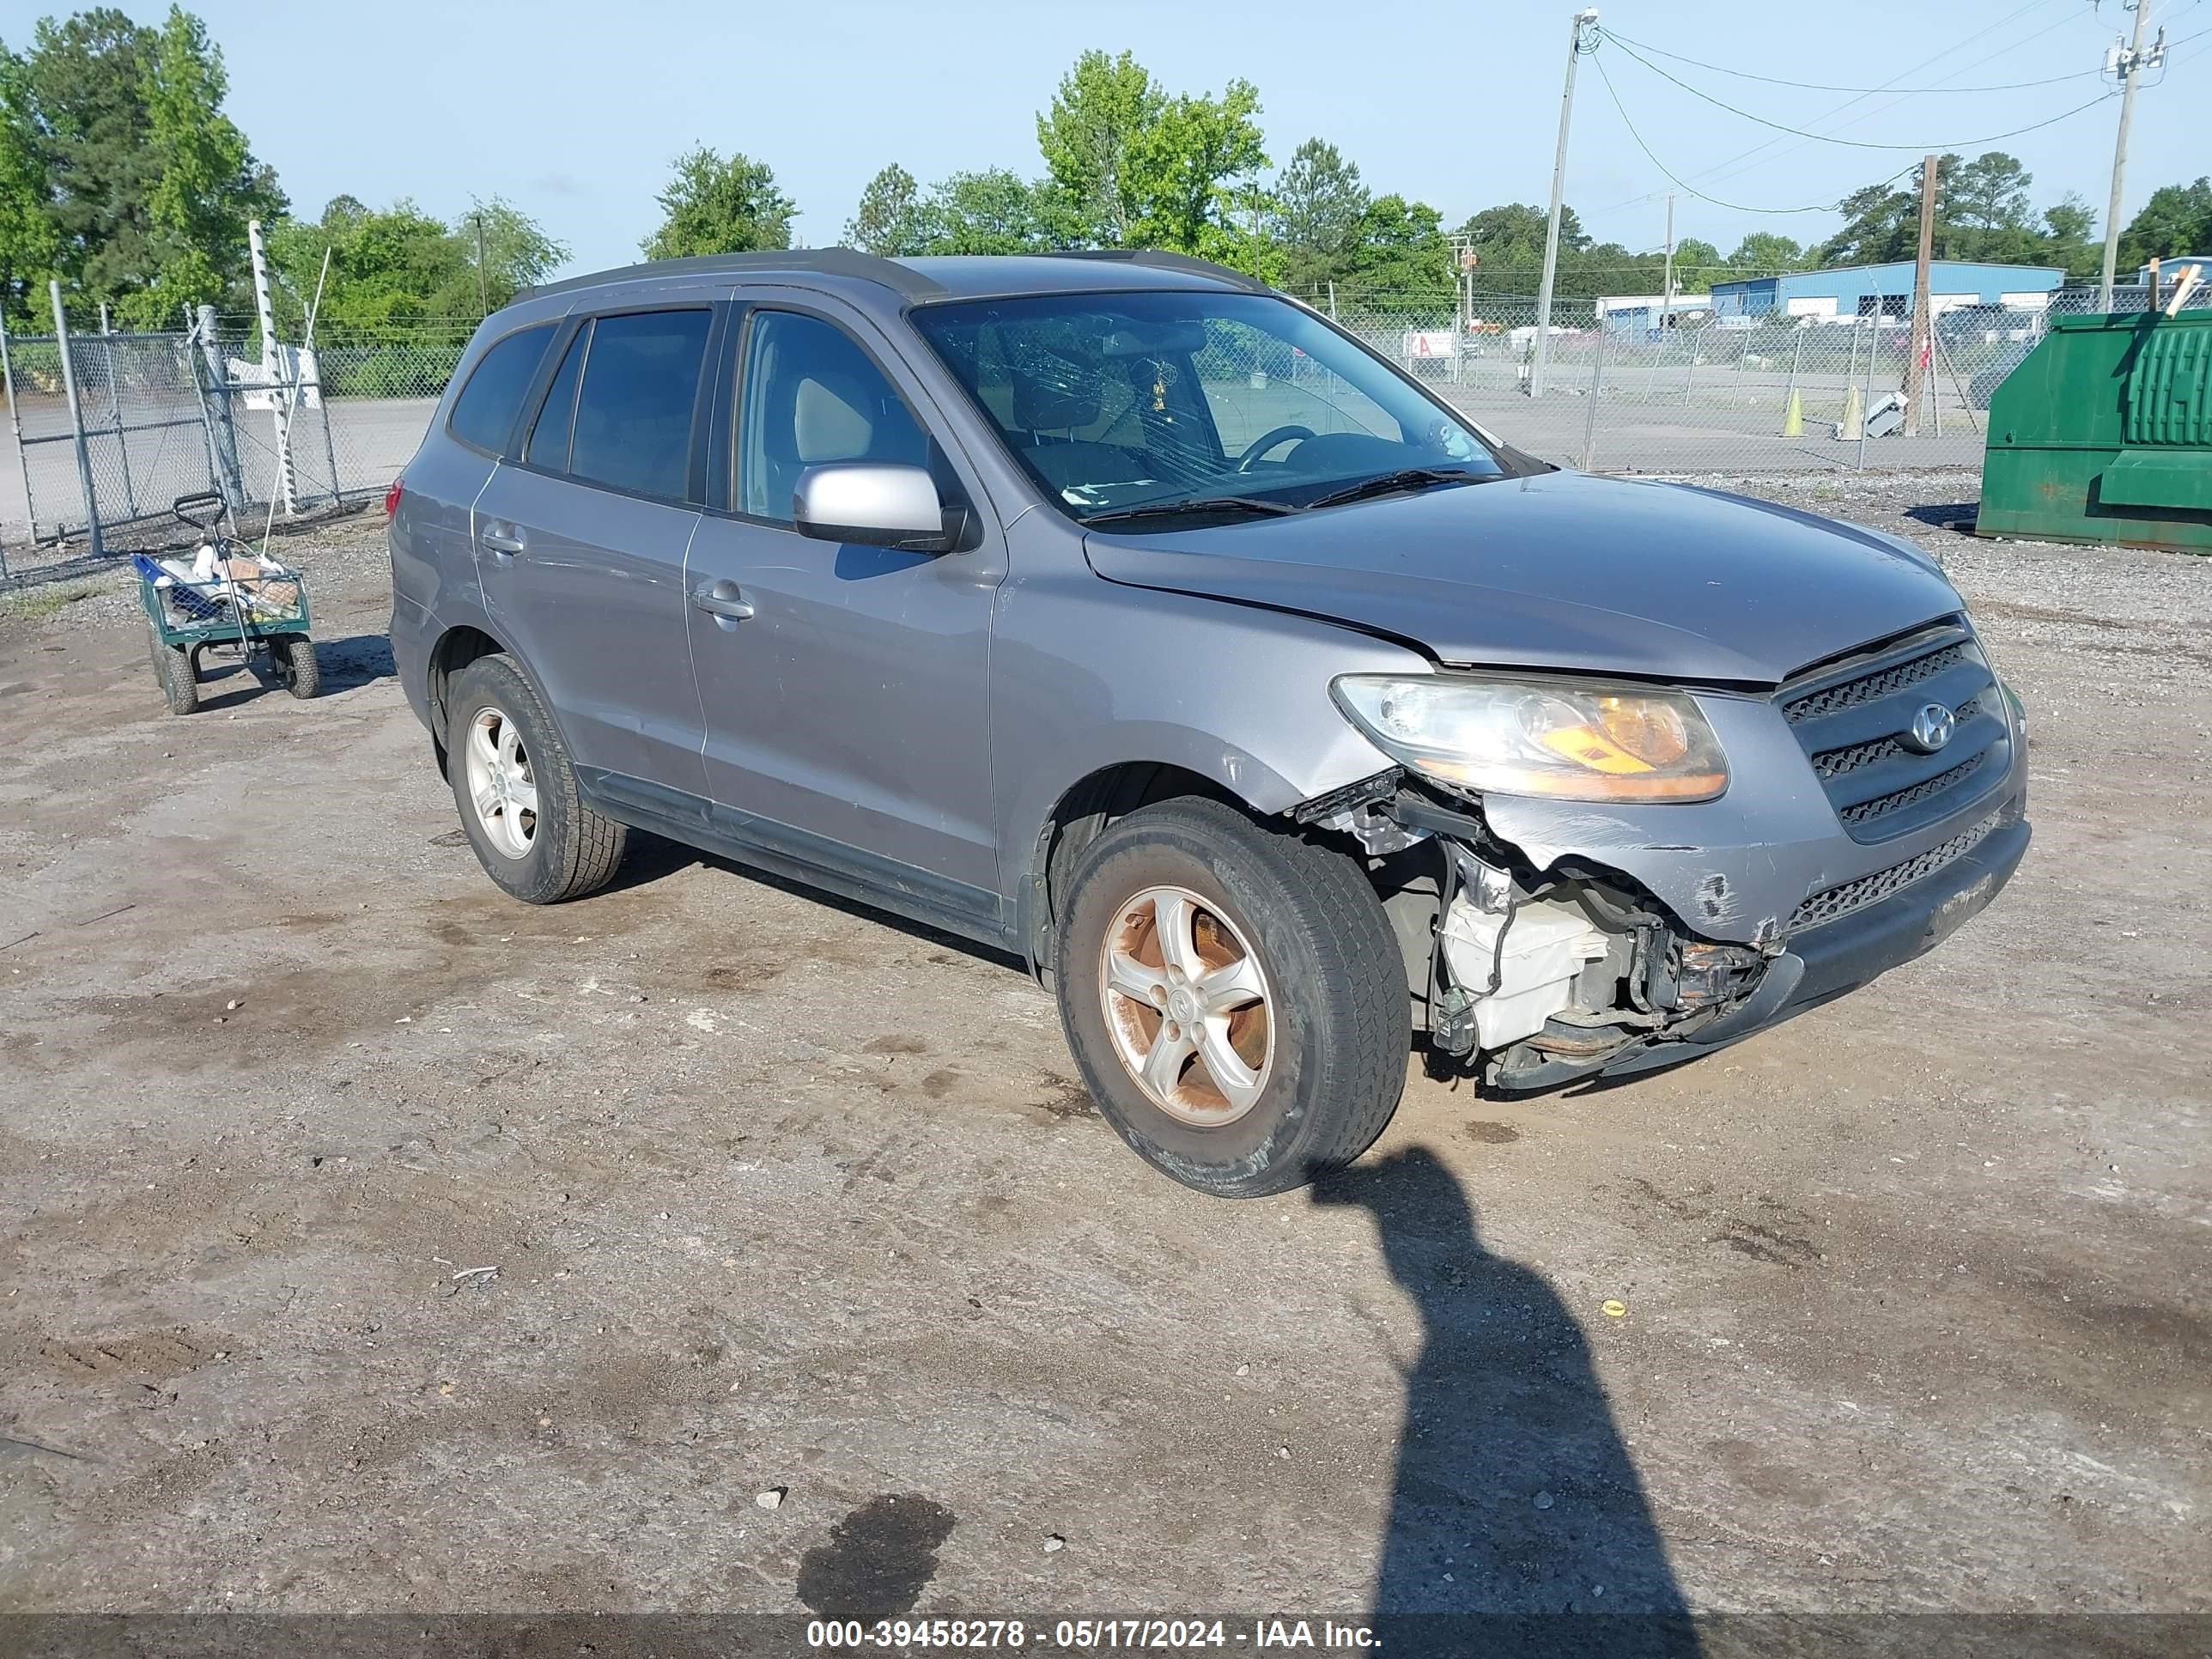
(293, 656)
(180, 679)
(1234, 998)
(517, 793)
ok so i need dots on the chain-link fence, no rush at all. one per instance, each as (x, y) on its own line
(111, 428)
(1623, 388)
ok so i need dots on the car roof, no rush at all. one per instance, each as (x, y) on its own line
(926, 279)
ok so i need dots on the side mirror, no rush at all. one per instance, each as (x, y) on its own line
(874, 504)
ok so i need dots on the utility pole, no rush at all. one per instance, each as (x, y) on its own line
(1923, 310)
(1584, 20)
(1667, 287)
(483, 287)
(2128, 61)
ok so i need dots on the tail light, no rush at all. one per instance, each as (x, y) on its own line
(391, 496)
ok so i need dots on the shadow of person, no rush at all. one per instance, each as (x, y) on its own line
(1517, 1524)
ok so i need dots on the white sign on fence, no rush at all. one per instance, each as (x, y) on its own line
(267, 384)
(1431, 341)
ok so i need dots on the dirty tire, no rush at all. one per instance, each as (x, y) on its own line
(573, 851)
(180, 679)
(294, 656)
(1337, 996)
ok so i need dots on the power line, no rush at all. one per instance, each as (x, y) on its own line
(1863, 92)
(1730, 167)
(1614, 92)
(1725, 170)
(1852, 143)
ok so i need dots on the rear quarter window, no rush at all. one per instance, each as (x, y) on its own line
(484, 415)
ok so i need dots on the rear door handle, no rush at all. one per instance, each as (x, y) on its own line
(501, 543)
(721, 599)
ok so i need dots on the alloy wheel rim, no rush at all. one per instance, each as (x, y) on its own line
(502, 785)
(1189, 1008)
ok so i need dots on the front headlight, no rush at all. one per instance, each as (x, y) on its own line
(1568, 741)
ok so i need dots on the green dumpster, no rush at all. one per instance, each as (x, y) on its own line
(2104, 433)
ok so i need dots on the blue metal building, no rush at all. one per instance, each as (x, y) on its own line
(1849, 291)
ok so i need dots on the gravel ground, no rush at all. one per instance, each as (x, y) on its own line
(785, 1199)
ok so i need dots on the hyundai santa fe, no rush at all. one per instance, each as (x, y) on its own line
(1121, 613)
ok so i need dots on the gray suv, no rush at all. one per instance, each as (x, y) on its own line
(1121, 613)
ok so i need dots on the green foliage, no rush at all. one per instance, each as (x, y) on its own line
(1179, 166)
(1401, 253)
(994, 211)
(1100, 113)
(402, 265)
(1982, 214)
(2178, 219)
(1319, 208)
(712, 205)
(118, 171)
(889, 220)
(1765, 254)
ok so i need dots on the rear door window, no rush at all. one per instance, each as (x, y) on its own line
(484, 413)
(640, 375)
(549, 438)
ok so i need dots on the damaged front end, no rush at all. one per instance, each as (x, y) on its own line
(1536, 978)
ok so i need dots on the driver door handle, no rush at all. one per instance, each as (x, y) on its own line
(506, 545)
(721, 599)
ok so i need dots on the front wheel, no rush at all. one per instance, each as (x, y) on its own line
(180, 679)
(1234, 998)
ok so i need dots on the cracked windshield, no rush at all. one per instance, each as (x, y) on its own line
(1173, 405)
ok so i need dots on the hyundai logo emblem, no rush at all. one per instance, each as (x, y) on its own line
(1931, 728)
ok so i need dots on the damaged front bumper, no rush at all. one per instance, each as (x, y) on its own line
(1583, 966)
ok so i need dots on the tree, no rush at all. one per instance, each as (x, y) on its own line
(2178, 219)
(1096, 116)
(29, 244)
(1765, 254)
(995, 211)
(1318, 205)
(1181, 168)
(209, 185)
(403, 266)
(2071, 241)
(889, 220)
(716, 206)
(120, 172)
(1401, 251)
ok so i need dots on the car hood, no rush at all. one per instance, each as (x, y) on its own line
(1564, 571)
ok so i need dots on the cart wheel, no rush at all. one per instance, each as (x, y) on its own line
(294, 657)
(180, 680)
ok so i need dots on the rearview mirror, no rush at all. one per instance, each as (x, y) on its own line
(874, 504)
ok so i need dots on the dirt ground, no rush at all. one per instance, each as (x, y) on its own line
(786, 1199)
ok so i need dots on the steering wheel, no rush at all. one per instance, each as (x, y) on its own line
(1268, 440)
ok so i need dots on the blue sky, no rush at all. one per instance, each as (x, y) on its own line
(573, 110)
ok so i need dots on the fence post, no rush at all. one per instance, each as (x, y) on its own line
(1589, 420)
(115, 405)
(215, 413)
(15, 426)
(1866, 404)
(76, 423)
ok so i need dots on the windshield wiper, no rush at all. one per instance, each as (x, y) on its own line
(1178, 509)
(1388, 483)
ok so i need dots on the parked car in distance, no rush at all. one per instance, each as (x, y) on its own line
(1123, 614)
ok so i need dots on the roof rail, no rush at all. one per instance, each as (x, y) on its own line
(1165, 261)
(828, 261)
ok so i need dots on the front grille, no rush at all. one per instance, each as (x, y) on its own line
(1885, 682)
(1840, 901)
(1836, 763)
(1852, 715)
(1882, 805)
